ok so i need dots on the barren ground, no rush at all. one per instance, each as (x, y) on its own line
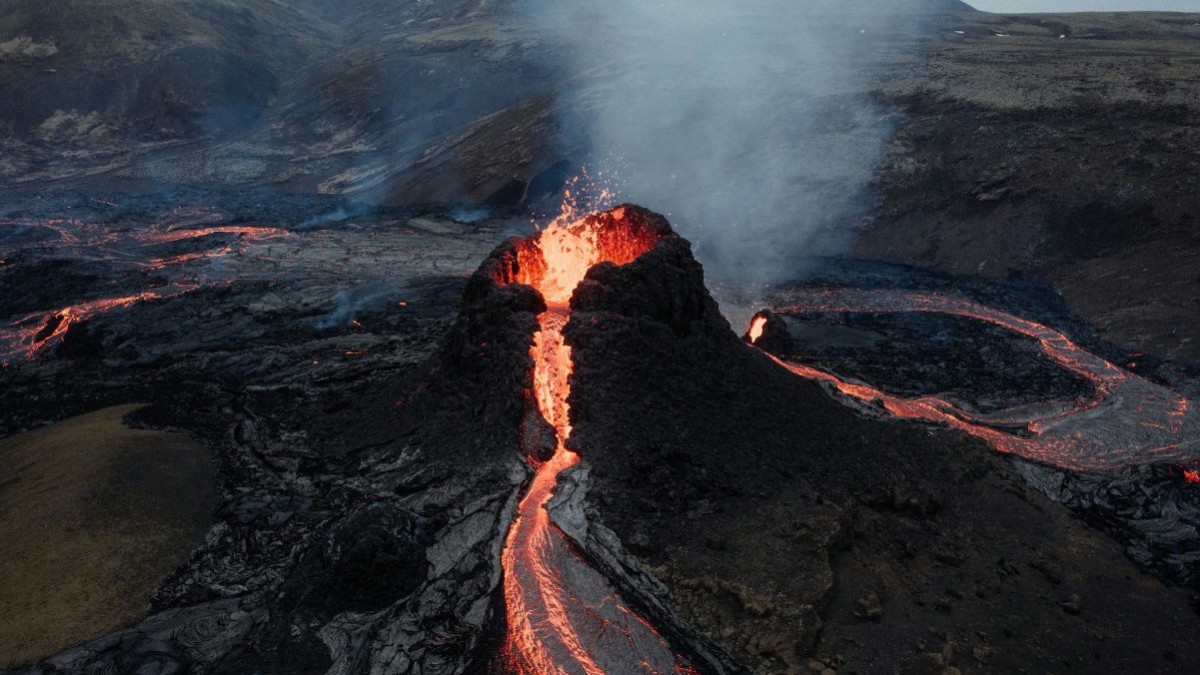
(1066, 159)
(93, 515)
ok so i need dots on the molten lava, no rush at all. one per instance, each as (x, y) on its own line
(1129, 420)
(32, 333)
(757, 325)
(562, 615)
(561, 254)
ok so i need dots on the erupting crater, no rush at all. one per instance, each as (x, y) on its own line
(562, 615)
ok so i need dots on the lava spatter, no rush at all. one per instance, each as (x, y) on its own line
(1128, 421)
(563, 617)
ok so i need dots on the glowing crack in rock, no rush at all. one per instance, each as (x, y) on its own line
(563, 617)
(1128, 421)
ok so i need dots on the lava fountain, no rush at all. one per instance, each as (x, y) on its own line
(563, 617)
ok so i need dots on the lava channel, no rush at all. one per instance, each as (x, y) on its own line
(1128, 421)
(563, 617)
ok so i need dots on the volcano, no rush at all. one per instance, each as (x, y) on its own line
(594, 473)
(561, 615)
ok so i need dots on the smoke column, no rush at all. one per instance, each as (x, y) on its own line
(746, 122)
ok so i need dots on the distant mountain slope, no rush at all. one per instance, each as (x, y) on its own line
(160, 68)
(1054, 147)
(240, 91)
(311, 95)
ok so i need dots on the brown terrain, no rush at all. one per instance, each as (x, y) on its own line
(94, 515)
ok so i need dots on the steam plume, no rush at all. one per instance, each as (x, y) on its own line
(745, 122)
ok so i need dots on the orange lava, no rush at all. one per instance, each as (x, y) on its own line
(250, 232)
(562, 615)
(558, 258)
(1128, 421)
(26, 336)
(757, 324)
(1192, 476)
(537, 614)
(35, 332)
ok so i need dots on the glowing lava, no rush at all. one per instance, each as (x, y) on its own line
(32, 333)
(78, 240)
(1129, 420)
(563, 617)
(757, 325)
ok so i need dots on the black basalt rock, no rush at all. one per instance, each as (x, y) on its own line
(665, 285)
(371, 559)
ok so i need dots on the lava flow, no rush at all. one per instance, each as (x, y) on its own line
(121, 246)
(1128, 421)
(30, 334)
(562, 615)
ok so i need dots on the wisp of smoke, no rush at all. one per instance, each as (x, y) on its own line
(340, 214)
(746, 122)
(350, 302)
(465, 213)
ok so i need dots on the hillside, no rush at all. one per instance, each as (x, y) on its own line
(1056, 147)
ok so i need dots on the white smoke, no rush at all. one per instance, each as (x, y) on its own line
(747, 123)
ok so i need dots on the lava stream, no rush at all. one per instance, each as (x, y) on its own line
(1129, 421)
(32, 333)
(28, 335)
(563, 617)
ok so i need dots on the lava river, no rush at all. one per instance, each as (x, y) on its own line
(1128, 421)
(563, 617)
